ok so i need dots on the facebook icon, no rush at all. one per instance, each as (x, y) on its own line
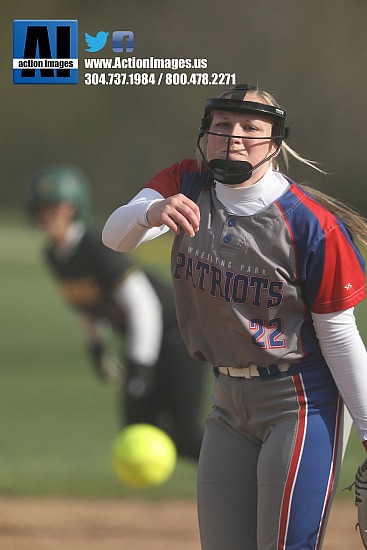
(123, 41)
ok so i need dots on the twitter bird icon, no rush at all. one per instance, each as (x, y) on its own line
(96, 43)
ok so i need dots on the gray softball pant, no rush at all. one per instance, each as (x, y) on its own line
(270, 462)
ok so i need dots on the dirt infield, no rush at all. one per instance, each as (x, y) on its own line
(34, 524)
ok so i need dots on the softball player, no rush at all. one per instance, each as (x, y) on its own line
(265, 280)
(163, 385)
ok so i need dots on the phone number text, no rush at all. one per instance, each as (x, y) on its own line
(158, 79)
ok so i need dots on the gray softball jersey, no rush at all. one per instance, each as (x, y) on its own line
(245, 286)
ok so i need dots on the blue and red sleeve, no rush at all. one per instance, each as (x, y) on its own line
(330, 267)
(169, 182)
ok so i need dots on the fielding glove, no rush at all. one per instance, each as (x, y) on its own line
(360, 486)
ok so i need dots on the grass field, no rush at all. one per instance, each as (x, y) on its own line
(57, 419)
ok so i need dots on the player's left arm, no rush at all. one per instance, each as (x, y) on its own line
(334, 283)
(346, 356)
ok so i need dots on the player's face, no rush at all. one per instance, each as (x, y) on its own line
(243, 127)
(55, 219)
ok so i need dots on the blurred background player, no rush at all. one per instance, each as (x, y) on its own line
(160, 384)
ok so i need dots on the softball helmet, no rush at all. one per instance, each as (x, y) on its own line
(229, 171)
(56, 184)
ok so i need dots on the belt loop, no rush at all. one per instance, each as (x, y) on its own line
(263, 372)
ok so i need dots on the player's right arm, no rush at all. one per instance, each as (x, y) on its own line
(158, 208)
(127, 226)
(147, 216)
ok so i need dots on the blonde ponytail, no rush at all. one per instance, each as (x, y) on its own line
(352, 219)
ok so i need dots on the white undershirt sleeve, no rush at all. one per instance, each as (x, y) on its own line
(346, 356)
(143, 310)
(127, 226)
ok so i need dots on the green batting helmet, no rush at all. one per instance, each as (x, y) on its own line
(56, 184)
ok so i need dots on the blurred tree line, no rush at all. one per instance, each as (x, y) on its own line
(311, 54)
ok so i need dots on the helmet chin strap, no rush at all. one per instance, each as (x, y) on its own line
(232, 172)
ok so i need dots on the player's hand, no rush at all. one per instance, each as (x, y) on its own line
(105, 366)
(175, 212)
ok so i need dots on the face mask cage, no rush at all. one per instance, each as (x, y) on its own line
(235, 172)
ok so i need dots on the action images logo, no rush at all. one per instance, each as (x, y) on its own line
(45, 52)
